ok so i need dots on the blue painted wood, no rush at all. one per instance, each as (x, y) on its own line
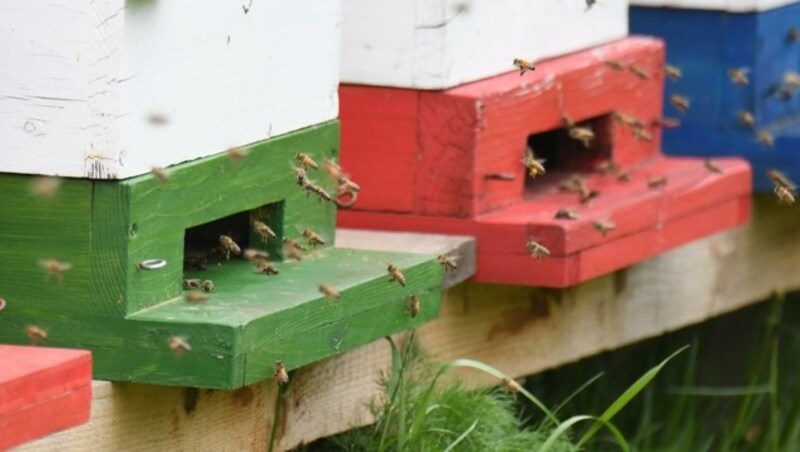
(705, 45)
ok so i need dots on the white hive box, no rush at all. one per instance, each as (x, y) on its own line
(81, 80)
(438, 44)
(719, 5)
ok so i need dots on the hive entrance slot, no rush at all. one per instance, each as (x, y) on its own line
(202, 247)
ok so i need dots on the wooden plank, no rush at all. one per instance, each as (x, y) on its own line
(42, 391)
(722, 5)
(78, 103)
(492, 323)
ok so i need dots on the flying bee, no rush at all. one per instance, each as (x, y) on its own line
(589, 4)
(196, 296)
(447, 262)
(537, 251)
(305, 161)
(638, 71)
(738, 76)
(628, 120)
(604, 227)
(55, 268)
(712, 166)
(583, 134)
(35, 333)
(312, 238)
(784, 195)
(534, 166)
(781, 180)
(524, 65)
(665, 123)
(641, 134)
(567, 214)
(673, 73)
(157, 118)
(160, 174)
(567, 120)
(396, 275)
(329, 292)
(571, 183)
(791, 79)
(766, 139)
(263, 230)
(208, 286)
(254, 255)
(657, 181)
(293, 249)
(236, 154)
(413, 305)
(267, 268)
(681, 103)
(179, 345)
(46, 186)
(280, 375)
(747, 119)
(189, 284)
(615, 65)
(332, 169)
(793, 35)
(229, 246)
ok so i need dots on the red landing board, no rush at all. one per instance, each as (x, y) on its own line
(42, 391)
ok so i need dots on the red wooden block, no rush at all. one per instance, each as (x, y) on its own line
(454, 166)
(42, 391)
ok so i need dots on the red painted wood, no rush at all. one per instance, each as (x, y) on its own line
(42, 391)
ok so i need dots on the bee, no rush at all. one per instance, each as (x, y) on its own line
(208, 286)
(615, 65)
(791, 79)
(305, 161)
(396, 275)
(267, 268)
(2, 304)
(537, 251)
(641, 134)
(293, 249)
(534, 166)
(785, 196)
(35, 333)
(638, 71)
(160, 174)
(253, 255)
(604, 227)
(568, 122)
(189, 284)
(571, 183)
(673, 73)
(781, 180)
(196, 296)
(321, 193)
(665, 123)
(301, 176)
(738, 76)
(510, 385)
(657, 181)
(312, 238)
(567, 214)
(713, 167)
(229, 246)
(280, 375)
(179, 345)
(246, 8)
(447, 262)
(681, 103)
(624, 176)
(766, 139)
(413, 305)
(332, 169)
(45, 187)
(607, 167)
(583, 134)
(793, 35)
(587, 195)
(747, 119)
(236, 153)
(195, 259)
(628, 120)
(329, 292)
(55, 268)
(263, 230)
(524, 66)
(157, 118)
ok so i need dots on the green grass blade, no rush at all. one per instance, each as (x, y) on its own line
(720, 391)
(462, 437)
(566, 425)
(394, 378)
(774, 428)
(577, 391)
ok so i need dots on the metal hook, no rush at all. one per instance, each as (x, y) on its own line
(353, 197)
(152, 264)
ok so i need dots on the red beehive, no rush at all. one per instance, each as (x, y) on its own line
(450, 162)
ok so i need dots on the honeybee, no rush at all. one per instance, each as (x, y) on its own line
(196, 296)
(208, 286)
(781, 180)
(254, 255)
(524, 66)
(321, 193)
(681, 103)
(537, 251)
(567, 214)
(607, 167)
(179, 345)
(236, 153)
(791, 79)
(534, 166)
(189, 284)
(329, 292)
(413, 305)
(571, 183)
(766, 139)
(35, 333)
(615, 65)
(641, 134)
(55, 268)
(586, 195)
(229, 246)
(582, 134)
(657, 181)
(267, 268)
(673, 73)
(747, 119)
(624, 176)
(301, 176)
(46, 186)
(665, 123)
(638, 71)
(568, 122)
(332, 169)
(160, 174)
(293, 249)
(312, 238)
(712, 166)
(305, 161)
(604, 227)
(793, 35)
(157, 118)
(263, 230)
(738, 76)
(396, 275)
(447, 262)
(280, 375)
(785, 195)
(628, 120)
(589, 4)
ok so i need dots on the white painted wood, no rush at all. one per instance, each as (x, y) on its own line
(81, 78)
(721, 5)
(437, 44)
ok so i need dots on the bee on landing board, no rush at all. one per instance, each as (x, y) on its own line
(55, 268)
(301, 176)
(263, 230)
(267, 268)
(638, 71)
(604, 227)
(236, 154)
(189, 284)
(447, 262)
(179, 345)
(657, 181)
(641, 134)
(312, 238)
(712, 166)
(567, 214)
(329, 292)
(229, 246)
(396, 275)
(537, 250)
(35, 334)
(413, 305)
(208, 286)
(524, 65)
(615, 65)
(280, 375)
(305, 161)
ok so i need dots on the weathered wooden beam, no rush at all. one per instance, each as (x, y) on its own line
(520, 330)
